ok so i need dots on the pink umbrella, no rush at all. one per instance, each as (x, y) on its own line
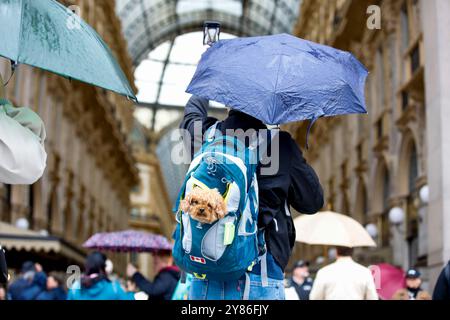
(388, 279)
(128, 241)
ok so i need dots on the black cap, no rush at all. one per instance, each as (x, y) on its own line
(28, 266)
(301, 264)
(413, 274)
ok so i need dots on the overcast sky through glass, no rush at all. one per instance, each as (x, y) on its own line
(182, 62)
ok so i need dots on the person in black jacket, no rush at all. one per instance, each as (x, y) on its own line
(301, 280)
(165, 281)
(294, 184)
(442, 288)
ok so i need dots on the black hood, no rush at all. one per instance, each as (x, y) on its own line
(241, 120)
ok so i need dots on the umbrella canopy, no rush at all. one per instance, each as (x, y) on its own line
(389, 280)
(47, 35)
(128, 241)
(333, 229)
(281, 78)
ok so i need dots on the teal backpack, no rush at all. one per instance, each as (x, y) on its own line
(228, 248)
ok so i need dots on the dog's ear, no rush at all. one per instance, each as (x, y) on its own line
(185, 205)
(221, 208)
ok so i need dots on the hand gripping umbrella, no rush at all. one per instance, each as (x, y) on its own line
(47, 35)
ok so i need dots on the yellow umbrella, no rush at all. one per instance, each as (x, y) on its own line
(332, 229)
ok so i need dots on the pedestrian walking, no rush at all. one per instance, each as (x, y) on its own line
(166, 279)
(300, 282)
(294, 184)
(94, 283)
(442, 288)
(31, 282)
(413, 290)
(344, 280)
(55, 289)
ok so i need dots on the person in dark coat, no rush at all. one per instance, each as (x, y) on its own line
(23, 281)
(294, 184)
(301, 281)
(166, 279)
(442, 288)
(55, 289)
(413, 290)
(30, 284)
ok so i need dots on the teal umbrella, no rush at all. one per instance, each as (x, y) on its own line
(47, 35)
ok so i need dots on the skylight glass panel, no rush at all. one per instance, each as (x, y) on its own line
(185, 6)
(149, 71)
(160, 53)
(179, 75)
(144, 116)
(188, 48)
(147, 91)
(172, 94)
(231, 6)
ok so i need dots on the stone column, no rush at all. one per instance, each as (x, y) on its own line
(436, 23)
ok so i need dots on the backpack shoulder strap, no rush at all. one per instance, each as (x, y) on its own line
(211, 132)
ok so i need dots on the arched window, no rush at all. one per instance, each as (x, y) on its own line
(412, 213)
(386, 190)
(385, 224)
(31, 206)
(361, 207)
(5, 213)
(52, 205)
(413, 170)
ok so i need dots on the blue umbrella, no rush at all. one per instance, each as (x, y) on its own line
(281, 78)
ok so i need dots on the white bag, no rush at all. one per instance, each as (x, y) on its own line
(22, 154)
(291, 294)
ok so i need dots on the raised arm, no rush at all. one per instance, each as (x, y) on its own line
(195, 122)
(305, 191)
(155, 289)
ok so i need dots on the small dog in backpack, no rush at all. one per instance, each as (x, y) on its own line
(205, 206)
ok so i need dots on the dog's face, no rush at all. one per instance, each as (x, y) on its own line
(205, 206)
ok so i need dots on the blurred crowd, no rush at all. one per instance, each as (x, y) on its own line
(343, 279)
(98, 282)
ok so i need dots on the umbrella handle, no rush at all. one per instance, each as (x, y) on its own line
(311, 123)
(2, 84)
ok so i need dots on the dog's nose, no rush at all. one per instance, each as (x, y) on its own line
(202, 210)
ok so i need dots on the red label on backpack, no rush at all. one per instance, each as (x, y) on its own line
(198, 259)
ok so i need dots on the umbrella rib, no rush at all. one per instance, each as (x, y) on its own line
(22, 9)
(274, 94)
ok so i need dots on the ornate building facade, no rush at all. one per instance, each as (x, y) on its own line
(90, 168)
(390, 158)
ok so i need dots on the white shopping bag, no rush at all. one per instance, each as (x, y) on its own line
(22, 154)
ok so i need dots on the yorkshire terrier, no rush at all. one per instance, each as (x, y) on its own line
(205, 206)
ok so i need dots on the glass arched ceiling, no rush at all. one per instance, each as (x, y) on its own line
(165, 42)
(163, 77)
(148, 23)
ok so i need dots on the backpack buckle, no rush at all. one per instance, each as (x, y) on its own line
(200, 276)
